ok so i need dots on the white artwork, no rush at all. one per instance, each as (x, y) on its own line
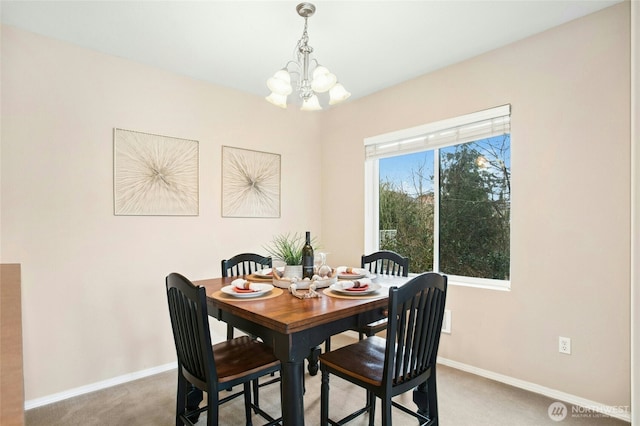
(154, 175)
(250, 183)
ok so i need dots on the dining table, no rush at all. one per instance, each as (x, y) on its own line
(292, 326)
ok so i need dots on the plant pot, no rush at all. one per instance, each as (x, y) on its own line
(291, 271)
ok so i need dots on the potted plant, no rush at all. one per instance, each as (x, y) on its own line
(288, 249)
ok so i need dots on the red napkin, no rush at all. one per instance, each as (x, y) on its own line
(243, 290)
(359, 285)
(361, 288)
(242, 286)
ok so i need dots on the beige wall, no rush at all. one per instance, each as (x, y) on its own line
(569, 90)
(94, 305)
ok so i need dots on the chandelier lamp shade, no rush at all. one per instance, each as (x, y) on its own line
(312, 78)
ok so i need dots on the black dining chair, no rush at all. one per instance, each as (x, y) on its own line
(382, 262)
(212, 368)
(379, 262)
(386, 262)
(246, 264)
(405, 359)
(243, 264)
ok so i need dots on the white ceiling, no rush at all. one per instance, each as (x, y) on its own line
(369, 45)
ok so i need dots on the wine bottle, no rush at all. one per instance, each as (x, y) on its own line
(307, 257)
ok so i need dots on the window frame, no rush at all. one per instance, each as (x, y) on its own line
(412, 137)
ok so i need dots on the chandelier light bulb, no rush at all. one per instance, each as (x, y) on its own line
(280, 83)
(323, 80)
(311, 104)
(338, 94)
(277, 100)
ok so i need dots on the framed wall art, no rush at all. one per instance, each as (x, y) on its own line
(154, 175)
(250, 183)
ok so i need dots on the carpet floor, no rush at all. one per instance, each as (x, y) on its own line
(463, 399)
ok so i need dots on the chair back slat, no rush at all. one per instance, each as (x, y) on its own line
(413, 332)
(244, 264)
(386, 262)
(189, 320)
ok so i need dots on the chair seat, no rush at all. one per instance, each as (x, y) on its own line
(205, 367)
(362, 361)
(241, 357)
(404, 360)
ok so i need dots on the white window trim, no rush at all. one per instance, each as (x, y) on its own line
(372, 179)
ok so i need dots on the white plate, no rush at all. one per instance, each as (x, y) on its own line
(260, 287)
(265, 273)
(356, 275)
(342, 286)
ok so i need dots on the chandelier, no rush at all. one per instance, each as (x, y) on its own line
(321, 81)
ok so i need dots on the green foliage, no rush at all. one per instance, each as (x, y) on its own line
(287, 248)
(474, 212)
(474, 234)
(412, 220)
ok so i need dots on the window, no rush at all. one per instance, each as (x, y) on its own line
(441, 194)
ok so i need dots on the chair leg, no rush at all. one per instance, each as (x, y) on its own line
(247, 402)
(371, 402)
(256, 394)
(324, 399)
(386, 411)
(433, 399)
(181, 399)
(212, 412)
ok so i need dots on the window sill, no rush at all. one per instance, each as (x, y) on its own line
(477, 283)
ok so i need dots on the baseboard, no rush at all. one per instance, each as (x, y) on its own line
(531, 387)
(542, 390)
(38, 402)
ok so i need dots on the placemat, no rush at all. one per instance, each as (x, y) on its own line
(226, 297)
(257, 279)
(375, 295)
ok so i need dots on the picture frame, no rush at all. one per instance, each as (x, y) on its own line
(154, 175)
(250, 183)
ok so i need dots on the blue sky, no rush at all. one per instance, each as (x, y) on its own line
(400, 169)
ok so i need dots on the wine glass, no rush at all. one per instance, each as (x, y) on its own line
(320, 262)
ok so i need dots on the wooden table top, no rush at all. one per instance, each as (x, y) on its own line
(288, 314)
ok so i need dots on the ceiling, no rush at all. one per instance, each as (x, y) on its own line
(369, 45)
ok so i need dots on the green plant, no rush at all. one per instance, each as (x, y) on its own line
(287, 248)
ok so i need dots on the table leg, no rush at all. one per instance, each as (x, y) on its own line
(421, 399)
(194, 398)
(292, 393)
(313, 360)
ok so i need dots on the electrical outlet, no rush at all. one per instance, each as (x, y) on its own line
(564, 345)
(446, 322)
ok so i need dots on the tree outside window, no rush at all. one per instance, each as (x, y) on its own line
(463, 229)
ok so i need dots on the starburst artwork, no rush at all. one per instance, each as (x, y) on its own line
(250, 183)
(154, 175)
